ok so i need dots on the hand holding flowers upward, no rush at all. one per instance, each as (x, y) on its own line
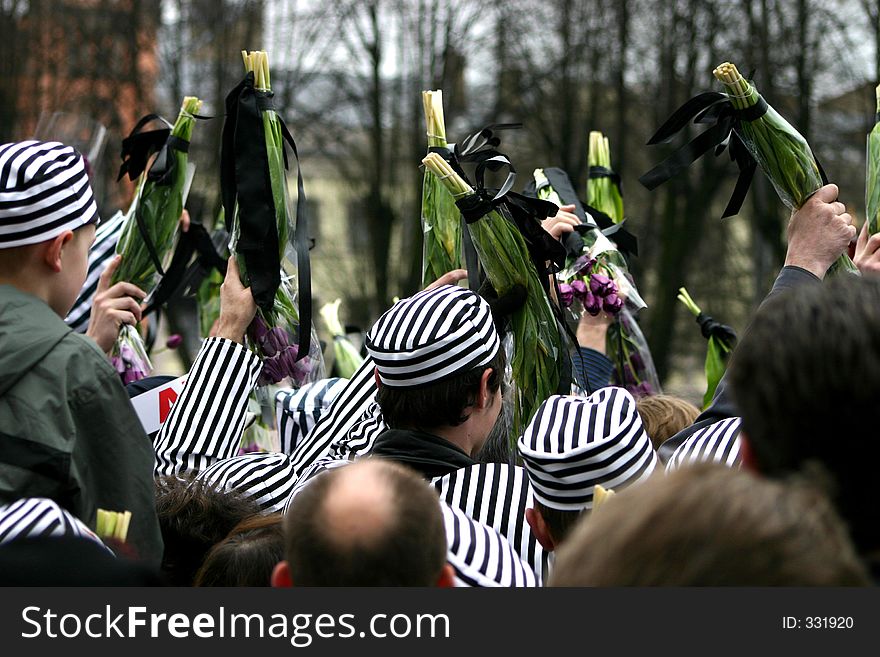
(114, 305)
(237, 306)
(819, 232)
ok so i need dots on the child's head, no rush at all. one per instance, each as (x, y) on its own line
(47, 217)
(665, 415)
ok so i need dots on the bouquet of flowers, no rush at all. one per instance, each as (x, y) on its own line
(780, 150)
(151, 227)
(346, 357)
(275, 333)
(602, 193)
(505, 258)
(441, 221)
(872, 174)
(722, 340)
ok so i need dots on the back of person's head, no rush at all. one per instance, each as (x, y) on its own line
(573, 444)
(373, 523)
(247, 556)
(664, 416)
(805, 377)
(47, 202)
(194, 517)
(708, 525)
(431, 351)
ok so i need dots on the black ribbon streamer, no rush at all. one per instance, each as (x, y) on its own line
(244, 177)
(180, 272)
(627, 243)
(710, 328)
(716, 109)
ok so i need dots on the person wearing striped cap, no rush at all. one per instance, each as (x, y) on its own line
(67, 429)
(439, 369)
(574, 444)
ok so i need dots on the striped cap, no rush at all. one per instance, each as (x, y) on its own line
(716, 443)
(574, 443)
(44, 191)
(431, 336)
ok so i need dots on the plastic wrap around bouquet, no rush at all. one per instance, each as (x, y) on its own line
(152, 220)
(872, 173)
(753, 133)
(264, 237)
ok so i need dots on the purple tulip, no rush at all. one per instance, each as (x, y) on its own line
(174, 341)
(579, 289)
(636, 360)
(629, 377)
(249, 449)
(258, 329)
(612, 304)
(302, 370)
(587, 268)
(592, 304)
(274, 342)
(644, 389)
(601, 285)
(566, 295)
(271, 372)
(287, 360)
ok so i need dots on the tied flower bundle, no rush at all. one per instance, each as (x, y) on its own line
(346, 357)
(625, 344)
(780, 150)
(872, 173)
(602, 191)
(722, 340)
(505, 259)
(149, 233)
(113, 525)
(274, 331)
(441, 222)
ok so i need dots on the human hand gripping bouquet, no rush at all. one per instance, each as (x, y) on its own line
(151, 228)
(441, 221)
(780, 150)
(505, 259)
(722, 340)
(872, 173)
(257, 203)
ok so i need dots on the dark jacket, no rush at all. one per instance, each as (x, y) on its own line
(429, 455)
(67, 429)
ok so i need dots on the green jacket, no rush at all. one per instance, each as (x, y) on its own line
(67, 428)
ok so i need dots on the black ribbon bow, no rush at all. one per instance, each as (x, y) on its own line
(710, 328)
(244, 178)
(716, 109)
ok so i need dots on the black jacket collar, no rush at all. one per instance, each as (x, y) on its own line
(429, 455)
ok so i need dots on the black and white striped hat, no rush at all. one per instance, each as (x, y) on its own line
(431, 336)
(44, 191)
(574, 443)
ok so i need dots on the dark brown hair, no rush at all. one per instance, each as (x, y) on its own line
(247, 556)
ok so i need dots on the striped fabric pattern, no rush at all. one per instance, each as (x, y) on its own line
(266, 479)
(574, 443)
(497, 495)
(34, 517)
(354, 405)
(717, 443)
(432, 335)
(480, 555)
(207, 420)
(44, 191)
(299, 410)
(102, 251)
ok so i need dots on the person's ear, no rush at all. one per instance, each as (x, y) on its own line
(747, 454)
(447, 577)
(485, 396)
(281, 576)
(376, 377)
(54, 248)
(540, 529)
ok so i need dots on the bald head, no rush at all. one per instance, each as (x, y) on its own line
(373, 523)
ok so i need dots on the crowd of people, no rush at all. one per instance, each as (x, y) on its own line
(392, 476)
